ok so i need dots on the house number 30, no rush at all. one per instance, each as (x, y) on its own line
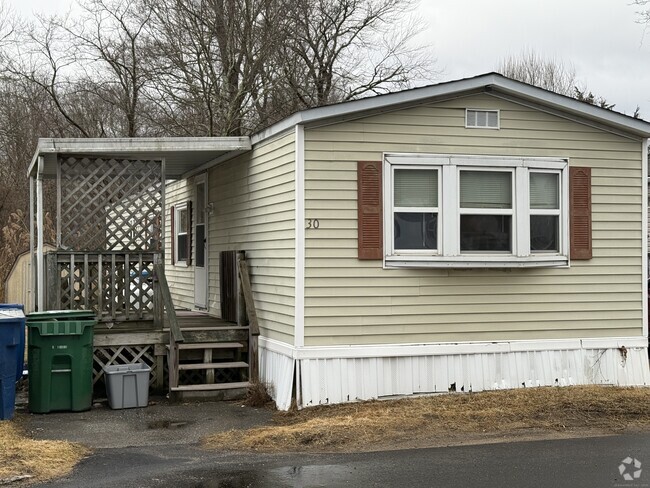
(312, 224)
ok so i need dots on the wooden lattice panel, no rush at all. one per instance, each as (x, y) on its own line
(110, 204)
(105, 356)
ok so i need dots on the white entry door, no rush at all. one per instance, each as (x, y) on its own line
(201, 236)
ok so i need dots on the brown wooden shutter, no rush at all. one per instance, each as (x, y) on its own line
(172, 217)
(580, 212)
(189, 233)
(369, 202)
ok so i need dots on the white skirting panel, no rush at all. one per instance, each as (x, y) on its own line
(276, 371)
(332, 380)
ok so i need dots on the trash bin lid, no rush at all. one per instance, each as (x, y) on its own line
(61, 315)
(11, 312)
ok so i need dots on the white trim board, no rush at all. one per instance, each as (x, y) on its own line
(644, 235)
(433, 349)
(299, 283)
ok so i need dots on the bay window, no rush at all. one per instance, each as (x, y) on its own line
(460, 211)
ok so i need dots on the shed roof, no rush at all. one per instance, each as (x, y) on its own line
(181, 154)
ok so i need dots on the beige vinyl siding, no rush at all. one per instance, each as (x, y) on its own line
(348, 301)
(179, 276)
(254, 210)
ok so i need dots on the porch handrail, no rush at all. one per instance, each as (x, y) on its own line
(175, 334)
(251, 312)
(248, 295)
(174, 329)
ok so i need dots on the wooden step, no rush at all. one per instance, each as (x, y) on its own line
(215, 334)
(211, 387)
(234, 364)
(209, 345)
(195, 328)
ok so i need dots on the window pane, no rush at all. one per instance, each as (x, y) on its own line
(471, 118)
(485, 189)
(200, 203)
(200, 246)
(544, 190)
(416, 188)
(485, 232)
(182, 220)
(544, 233)
(493, 119)
(416, 230)
(481, 119)
(181, 247)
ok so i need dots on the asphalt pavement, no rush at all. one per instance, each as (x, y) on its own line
(590, 463)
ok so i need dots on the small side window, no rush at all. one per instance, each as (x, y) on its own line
(182, 234)
(482, 119)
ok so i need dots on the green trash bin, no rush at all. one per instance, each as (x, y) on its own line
(60, 360)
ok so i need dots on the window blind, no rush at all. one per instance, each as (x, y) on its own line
(415, 188)
(544, 191)
(485, 189)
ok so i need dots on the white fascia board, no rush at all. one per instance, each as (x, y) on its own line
(488, 82)
(450, 348)
(138, 145)
(638, 127)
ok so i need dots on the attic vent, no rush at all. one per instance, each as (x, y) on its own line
(485, 119)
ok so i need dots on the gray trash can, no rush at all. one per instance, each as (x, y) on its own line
(127, 385)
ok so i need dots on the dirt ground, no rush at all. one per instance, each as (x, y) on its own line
(449, 419)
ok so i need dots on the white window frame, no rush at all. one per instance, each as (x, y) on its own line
(468, 126)
(436, 210)
(448, 253)
(179, 232)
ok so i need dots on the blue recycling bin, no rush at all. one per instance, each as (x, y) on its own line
(12, 349)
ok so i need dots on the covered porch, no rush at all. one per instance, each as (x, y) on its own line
(104, 202)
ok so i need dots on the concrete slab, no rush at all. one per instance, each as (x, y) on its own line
(160, 423)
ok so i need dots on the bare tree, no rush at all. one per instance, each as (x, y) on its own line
(92, 66)
(644, 13)
(110, 45)
(344, 49)
(41, 57)
(211, 58)
(548, 73)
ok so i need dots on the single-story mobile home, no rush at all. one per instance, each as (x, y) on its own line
(465, 236)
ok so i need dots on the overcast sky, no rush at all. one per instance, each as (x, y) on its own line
(600, 38)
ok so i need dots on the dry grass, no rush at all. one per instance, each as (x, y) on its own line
(258, 395)
(42, 460)
(408, 422)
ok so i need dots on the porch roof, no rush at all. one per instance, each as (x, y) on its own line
(181, 154)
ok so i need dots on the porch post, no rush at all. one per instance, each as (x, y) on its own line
(39, 229)
(163, 191)
(32, 265)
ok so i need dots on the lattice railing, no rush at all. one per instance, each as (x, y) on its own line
(117, 286)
